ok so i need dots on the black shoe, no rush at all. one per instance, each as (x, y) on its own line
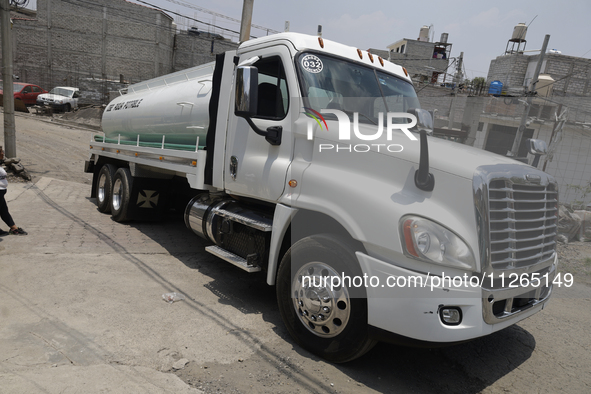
(18, 231)
(3, 233)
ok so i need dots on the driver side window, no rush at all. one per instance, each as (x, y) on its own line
(273, 95)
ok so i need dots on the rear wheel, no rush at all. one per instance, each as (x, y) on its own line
(121, 196)
(67, 108)
(326, 318)
(104, 187)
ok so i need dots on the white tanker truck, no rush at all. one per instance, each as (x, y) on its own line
(310, 161)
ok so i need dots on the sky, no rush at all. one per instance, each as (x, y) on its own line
(480, 29)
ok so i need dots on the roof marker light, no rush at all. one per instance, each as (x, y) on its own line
(381, 60)
(405, 72)
(360, 53)
(370, 56)
(321, 42)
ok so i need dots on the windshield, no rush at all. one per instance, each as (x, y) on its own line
(62, 92)
(16, 87)
(336, 83)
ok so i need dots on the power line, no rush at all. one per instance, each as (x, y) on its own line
(193, 19)
(188, 5)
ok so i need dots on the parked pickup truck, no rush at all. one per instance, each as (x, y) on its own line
(312, 162)
(62, 98)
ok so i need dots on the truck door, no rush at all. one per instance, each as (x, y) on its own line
(253, 167)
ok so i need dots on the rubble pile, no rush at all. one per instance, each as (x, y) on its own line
(14, 166)
(575, 225)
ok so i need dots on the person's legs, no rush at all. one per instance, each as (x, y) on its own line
(4, 214)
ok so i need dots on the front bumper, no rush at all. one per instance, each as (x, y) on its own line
(413, 310)
(57, 106)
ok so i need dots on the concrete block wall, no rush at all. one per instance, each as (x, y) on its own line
(418, 55)
(192, 50)
(572, 74)
(571, 163)
(509, 69)
(106, 38)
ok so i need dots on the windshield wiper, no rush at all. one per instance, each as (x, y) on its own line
(360, 113)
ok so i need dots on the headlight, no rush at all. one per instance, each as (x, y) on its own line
(59, 101)
(433, 243)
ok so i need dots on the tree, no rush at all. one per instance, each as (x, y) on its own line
(478, 82)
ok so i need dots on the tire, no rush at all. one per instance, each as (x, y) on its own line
(121, 195)
(67, 108)
(331, 323)
(104, 187)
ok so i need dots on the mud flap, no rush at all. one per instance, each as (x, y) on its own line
(150, 199)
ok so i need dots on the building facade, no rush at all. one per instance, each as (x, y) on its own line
(102, 45)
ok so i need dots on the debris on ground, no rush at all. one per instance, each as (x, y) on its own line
(173, 297)
(573, 225)
(15, 170)
(90, 115)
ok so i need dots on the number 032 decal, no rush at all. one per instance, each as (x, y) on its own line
(312, 64)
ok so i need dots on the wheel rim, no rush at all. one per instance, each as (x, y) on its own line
(102, 184)
(323, 309)
(117, 194)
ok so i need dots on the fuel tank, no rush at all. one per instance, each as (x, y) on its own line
(173, 106)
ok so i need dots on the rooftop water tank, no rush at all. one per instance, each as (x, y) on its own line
(424, 34)
(496, 87)
(444, 37)
(544, 85)
(519, 32)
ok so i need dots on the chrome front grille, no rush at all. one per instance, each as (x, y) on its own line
(522, 223)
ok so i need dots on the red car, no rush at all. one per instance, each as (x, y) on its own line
(26, 92)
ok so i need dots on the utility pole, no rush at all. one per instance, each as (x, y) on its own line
(456, 83)
(459, 74)
(7, 71)
(247, 7)
(532, 89)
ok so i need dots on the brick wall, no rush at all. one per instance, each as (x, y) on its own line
(572, 75)
(509, 69)
(417, 57)
(193, 50)
(75, 40)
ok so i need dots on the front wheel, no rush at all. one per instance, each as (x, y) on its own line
(322, 315)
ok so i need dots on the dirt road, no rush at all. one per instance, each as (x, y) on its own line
(81, 310)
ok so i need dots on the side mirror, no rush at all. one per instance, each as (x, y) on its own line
(247, 85)
(537, 147)
(424, 120)
(247, 89)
